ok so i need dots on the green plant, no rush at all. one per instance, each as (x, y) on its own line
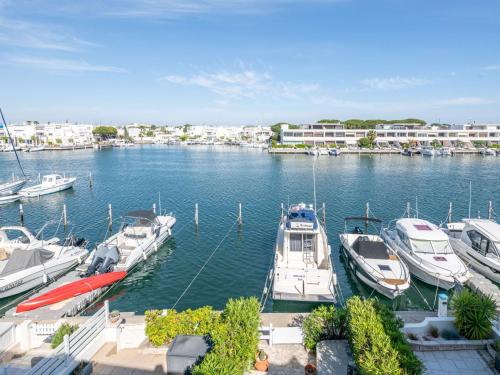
(364, 142)
(324, 323)
(412, 336)
(434, 332)
(409, 362)
(63, 330)
(473, 314)
(262, 355)
(371, 346)
(235, 339)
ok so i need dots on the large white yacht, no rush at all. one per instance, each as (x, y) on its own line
(374, 262)
(27, 262)
(142, 233)
(427, 251)
(477, 242)
(303, 268)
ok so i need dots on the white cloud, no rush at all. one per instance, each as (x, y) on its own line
(464, 101)
(244, 84)
(38, 36)
(394, 83)
(492, 67)
(62, 65)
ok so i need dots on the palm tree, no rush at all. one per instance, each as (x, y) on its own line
(372, 136)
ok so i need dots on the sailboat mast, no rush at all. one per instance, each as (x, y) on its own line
(12, 142)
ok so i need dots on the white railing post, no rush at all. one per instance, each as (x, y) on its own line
(66, 349)
(270, 334)
(106, 312)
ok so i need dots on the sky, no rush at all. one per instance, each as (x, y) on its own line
(240, 62)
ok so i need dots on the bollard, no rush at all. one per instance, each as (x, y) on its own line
(442, 305)
(21, 214)
(110, 217)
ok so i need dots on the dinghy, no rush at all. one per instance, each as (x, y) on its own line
(71, 290)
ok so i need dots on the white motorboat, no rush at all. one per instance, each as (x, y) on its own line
(12, 187)
(313, 151)
(335, 152)
(303, 269)
(445, 151)
(427, 251)
(427, 151)
(51, 183)
(26, 263)
(142, 233)
(374, 262)
(487, 151)
(323, 151)
(477, 242)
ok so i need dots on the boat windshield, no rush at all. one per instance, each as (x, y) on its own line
(431, 247)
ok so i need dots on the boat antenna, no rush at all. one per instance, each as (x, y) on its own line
(470, 196)
(12, 143)
(314, 182)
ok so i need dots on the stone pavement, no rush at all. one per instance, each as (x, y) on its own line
(285, 359)
(461, 362)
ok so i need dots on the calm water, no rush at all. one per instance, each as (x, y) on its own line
(218, 179)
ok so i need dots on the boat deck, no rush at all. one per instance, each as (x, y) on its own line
(69, 307)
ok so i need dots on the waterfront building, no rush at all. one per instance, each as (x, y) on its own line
(393, 135)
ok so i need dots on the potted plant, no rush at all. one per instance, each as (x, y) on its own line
(310, 369)
(114, 316)
(261, 361)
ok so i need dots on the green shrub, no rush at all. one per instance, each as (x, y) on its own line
(162, 328)
(473, 314)
(63, 330)
(371, 346)
(235, 339)
(324, 323)
(301, 145)
(408, 361)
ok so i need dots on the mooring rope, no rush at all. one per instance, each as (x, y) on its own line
(205, 264)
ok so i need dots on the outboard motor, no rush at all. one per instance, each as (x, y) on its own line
(112, 257)
(357, 230)
(99, 256)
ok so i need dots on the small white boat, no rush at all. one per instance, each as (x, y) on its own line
(4, 199)
(445, 151)
(11, 188)
(373, 262)
(26, 263)
(335, 152)
(487, 151)
(142, 233)
(51, 183)
(477, 242)
(303, 269)
(35, 149)
(427, 251)
(313, 151)
(427, 151)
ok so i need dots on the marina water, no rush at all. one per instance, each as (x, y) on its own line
(218, 178)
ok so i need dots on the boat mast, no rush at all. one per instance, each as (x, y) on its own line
(12, 142)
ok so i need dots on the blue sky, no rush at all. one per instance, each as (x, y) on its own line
(236, 62)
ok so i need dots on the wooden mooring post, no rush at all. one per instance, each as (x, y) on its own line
(90, 180)
(196, 213)
(490, 210)
(450, 213)
(65, 218)
(110, 218)
(21, 214)
(240, 216)
(323, 209)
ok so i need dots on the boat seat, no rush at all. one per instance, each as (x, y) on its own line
(4, 255)
(394, 281)
(370, 249)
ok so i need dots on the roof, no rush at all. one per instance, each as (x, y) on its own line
(488, 227)
(418, 229)
(142, 214)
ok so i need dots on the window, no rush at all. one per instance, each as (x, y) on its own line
(478, 242)
(420, 246)
(442, 247)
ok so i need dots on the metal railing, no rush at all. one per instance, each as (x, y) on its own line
(66, 357)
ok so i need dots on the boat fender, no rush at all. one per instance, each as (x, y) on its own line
(45, 278)
(334, 277)
(79, 259)
(169, 231)
(156, 246)
(144, 255)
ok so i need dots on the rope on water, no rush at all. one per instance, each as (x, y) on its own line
(204, 264)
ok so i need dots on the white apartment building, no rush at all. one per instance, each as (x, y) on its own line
(32, 132)
(395, 134)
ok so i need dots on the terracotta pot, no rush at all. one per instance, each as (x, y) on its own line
(310, 369)
(261, 365)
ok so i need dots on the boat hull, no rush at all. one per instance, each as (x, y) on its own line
(467, 255)
(71, 290)
(9, 198)
(11, 188)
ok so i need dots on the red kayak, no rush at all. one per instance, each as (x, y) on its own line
(70, 290)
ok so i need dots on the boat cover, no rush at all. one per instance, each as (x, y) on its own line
(23, 259)
(370, 249)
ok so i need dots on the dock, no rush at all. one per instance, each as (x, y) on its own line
(481, 284)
